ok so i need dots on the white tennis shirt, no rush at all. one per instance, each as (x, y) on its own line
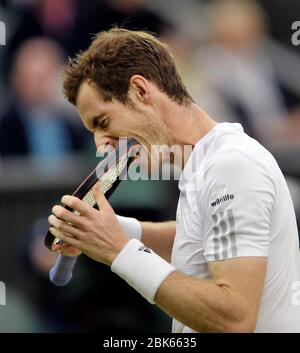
(234, 202)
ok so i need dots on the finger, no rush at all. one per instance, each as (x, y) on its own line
(62, 226)
(101, 199)
(66, 215)
(69, 250)
(76, 204)
(65, 237)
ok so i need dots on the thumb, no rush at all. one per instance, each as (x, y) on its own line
(100, 198)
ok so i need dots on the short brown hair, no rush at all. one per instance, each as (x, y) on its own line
(116, 55)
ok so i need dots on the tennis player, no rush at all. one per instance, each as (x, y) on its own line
(230, 262)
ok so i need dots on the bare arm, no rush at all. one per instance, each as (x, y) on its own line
(159, 237)
(229, 302)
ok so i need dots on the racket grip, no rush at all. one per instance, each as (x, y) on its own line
(62, 271)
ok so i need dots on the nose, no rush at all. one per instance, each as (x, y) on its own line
(104, 143)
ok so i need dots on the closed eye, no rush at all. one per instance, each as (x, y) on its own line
(100, 123)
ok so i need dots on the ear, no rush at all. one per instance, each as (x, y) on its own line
(140, 89)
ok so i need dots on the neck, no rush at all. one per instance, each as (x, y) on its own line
(187, 125)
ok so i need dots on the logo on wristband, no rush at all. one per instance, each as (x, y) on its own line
(143, 248)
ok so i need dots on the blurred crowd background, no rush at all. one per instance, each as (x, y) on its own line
(238, 62)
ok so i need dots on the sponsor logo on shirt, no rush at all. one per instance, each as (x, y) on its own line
(222, 199)
(143, 248)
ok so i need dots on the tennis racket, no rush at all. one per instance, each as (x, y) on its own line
(108, 174)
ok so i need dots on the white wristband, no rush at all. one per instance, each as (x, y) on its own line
(131, 226)
(141, 268)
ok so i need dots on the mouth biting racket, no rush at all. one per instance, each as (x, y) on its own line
(108, 174)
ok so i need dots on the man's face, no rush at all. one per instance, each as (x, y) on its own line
(108, 121)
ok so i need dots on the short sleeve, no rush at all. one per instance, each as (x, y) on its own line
(238, 201)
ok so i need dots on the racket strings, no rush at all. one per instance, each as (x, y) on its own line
(106, 181)
(108, 175)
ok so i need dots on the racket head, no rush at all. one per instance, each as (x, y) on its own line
(108, 173)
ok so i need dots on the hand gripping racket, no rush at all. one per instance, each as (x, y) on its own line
(108, 174)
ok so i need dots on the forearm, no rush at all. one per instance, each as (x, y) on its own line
(203, 305)
(159, 237)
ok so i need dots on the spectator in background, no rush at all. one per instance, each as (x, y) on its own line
(183, 49)
(71, 23)
(57, 19)
(95, 16)
(37, 123)
(21, 24)
(240, 68)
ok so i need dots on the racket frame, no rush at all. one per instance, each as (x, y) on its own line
(88, 183)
